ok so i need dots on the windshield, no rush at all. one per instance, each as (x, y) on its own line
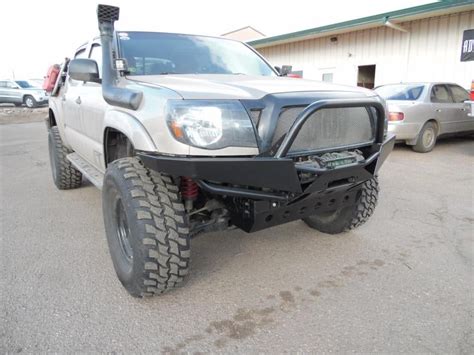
(149, 53)
(400, 92)
(24, 84)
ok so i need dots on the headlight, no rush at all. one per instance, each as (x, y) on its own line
(210, 124)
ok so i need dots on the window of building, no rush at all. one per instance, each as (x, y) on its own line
(459, 94)
(366, 76)
(328, 77)
(440, 94)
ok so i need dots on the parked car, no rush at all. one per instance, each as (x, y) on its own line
(21, 92)
(37, 83)
(471, 100)
(189, 134)
(419, 113)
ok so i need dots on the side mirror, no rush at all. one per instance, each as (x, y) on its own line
(285, 70)
(83, 69)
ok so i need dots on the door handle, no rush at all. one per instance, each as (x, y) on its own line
(78, 100)
(438, 110)
(63, 98)
(463, 109)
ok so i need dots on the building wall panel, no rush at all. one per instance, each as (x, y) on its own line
(429, 52)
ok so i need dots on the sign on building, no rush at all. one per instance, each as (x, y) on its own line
(467, 49)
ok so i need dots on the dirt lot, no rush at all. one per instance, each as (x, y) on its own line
(401, 283)
(10, 114)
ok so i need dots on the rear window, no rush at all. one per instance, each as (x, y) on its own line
(400, 92)
(459, 94)
(440, 94)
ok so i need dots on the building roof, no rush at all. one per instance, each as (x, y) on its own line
(241, 29)
(408, 14)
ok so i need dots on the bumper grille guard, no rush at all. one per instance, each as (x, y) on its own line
(279, 172)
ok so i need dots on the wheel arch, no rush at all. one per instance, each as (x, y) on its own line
(123, 134)
(415, 139)
(51, 120)
(25, 96)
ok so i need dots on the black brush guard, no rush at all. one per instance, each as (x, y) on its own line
(261, 192)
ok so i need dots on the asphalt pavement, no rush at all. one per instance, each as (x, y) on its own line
(403, 282)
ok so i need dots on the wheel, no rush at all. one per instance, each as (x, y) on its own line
(65, 175)
(347, 218)
(146, 229)
(426, 139)
(30, 102)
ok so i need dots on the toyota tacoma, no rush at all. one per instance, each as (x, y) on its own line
(188, 134)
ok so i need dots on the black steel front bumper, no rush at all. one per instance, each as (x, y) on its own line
(270, 188)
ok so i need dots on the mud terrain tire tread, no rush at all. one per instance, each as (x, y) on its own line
(67, 176)
(351, 217)
(366, 205)
(159, 232)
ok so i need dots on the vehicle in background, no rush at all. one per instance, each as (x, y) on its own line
(19, 92)
(419, 113)
(471, 100)
(37, 83)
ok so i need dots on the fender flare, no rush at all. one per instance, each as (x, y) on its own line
(53, 107)
(130, 127)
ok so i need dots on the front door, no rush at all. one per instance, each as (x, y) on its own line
(463, 122)
(93, 107)
(444, 108)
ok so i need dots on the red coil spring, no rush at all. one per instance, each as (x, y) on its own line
(189, 189)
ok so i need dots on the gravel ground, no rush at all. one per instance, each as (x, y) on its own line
(401, 283)
(10, 114)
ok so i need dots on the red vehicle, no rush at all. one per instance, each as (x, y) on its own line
(471, 101)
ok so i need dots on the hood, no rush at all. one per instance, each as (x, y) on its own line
(240, 87)
(33, 89)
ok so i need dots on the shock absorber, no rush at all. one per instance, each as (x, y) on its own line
(189, 191)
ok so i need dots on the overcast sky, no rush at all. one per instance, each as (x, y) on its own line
(37, 33)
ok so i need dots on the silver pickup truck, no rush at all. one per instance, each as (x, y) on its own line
(190, 134)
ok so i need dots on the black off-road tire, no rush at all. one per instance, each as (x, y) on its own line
(347, 218)
(30, 101)
(65, 175)
(426, 138)
(146, 229)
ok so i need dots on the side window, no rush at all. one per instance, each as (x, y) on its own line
(3, 84)
(96, 54)
(440, 94)
(328, 77)
(459, 94)
(81, 53)
(11, 85)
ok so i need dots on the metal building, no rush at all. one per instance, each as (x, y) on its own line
(421, 43)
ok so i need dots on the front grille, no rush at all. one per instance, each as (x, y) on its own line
(327, 128)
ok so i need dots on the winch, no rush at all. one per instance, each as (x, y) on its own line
(334, 160)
